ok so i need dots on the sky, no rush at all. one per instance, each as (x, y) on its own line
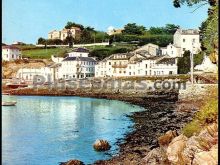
(27, 20)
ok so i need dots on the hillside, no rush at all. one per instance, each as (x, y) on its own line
(100, 52)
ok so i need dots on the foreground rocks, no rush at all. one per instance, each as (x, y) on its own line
(196, 150)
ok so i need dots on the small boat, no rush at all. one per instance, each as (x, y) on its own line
(14, 86)
(8, 103)
(5, 93)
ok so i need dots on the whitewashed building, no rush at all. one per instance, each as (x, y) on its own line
(10, 53)
(46, 74)
(183, 40)
(77, 64)
(137, 63)
(152, 49)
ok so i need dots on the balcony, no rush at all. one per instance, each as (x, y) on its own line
(119, 66)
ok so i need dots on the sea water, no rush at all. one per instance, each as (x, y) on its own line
(46, 130)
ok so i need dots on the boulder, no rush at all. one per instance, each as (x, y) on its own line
(156, 156)
(207, 157)
(73, 162)
(101, 145)
(192, 147)
(175, 148)
(167, 138)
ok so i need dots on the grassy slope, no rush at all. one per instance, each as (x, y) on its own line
(99, 51)
(207, 114)
(43, 53)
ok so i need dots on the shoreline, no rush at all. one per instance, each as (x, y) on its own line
(160, 115)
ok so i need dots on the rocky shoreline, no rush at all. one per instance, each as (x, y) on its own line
(163, 112)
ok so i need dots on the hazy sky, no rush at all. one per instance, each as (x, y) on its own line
(27, 20)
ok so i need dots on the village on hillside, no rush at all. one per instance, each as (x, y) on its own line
(146, 60)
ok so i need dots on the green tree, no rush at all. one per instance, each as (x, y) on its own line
(171, 28)
(86, 37)
(184, 63)
(132, 28)
(73, 24)
(41, 41)
(178, 3)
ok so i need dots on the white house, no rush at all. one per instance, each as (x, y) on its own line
(183, 40)
(171, 50)
(152, 49)
(77, 64)
(135, 64)
(47, 74)
(10, 53)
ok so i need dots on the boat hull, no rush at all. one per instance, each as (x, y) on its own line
(9, 103)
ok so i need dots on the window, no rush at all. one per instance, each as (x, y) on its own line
(12, 56)
(146, 65)
(129, 73)
(115, 63)
(194, 39)
(184, 49)
(124, 71)
(109, 63)
(184, 39)
(171, 52)
(145, 72)
(150, 72)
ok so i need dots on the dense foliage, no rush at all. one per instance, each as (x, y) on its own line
(104, 52)
(184, 63)
(131, 33)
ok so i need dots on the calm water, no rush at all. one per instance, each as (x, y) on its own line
(48, 130)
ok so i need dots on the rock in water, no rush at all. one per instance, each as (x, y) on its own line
(101, 145)
(73, 162)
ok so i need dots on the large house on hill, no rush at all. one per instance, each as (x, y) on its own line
(75, 32)
(183, 40)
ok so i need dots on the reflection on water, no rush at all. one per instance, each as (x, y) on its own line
(48, 130)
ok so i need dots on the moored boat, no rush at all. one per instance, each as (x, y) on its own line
(9, 103)
(14, 86)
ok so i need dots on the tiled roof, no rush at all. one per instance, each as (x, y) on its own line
(81, 50)
(188, 31)
(10, 47)
(90, 59)
(166, 60)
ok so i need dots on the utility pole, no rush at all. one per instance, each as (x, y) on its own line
(191, 60)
